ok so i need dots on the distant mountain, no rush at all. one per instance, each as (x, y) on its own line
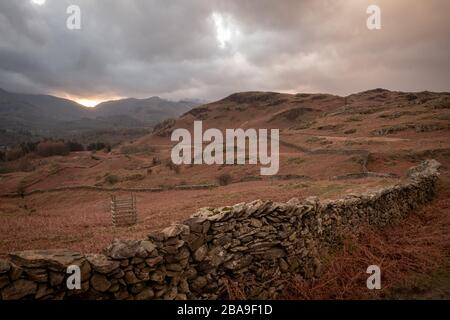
(46, 115)
(150, 111)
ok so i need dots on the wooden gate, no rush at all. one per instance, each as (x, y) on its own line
(123, 211)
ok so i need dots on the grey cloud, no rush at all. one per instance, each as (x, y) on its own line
(169, 48)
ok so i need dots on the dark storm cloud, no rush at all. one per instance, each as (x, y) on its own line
(172, 48)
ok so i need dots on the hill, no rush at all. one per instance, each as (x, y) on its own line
(26, 117)
(330, 146)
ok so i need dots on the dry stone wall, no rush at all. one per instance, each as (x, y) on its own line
(258, 244)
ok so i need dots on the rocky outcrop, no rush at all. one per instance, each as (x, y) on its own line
(259, 244)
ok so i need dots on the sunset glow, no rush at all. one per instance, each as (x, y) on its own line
(89, 102)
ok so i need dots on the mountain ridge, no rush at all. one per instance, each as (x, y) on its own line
(48, 115)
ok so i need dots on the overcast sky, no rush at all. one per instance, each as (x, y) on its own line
(209, 49)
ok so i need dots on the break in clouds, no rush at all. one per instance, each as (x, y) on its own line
(209, 49)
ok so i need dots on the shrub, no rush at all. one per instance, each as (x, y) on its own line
(96, 146)
(156, 161)
(18, 151)
(172, 166)
(224, 179)
(24, 165)
(135, 177)
(164, 128)
(74, 146)
(112, 179)
(52, 148)
(28, 147)
(21, 189)
(14, 154)
(296, 160)
(133, 149)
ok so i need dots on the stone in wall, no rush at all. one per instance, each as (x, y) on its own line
(257, 244)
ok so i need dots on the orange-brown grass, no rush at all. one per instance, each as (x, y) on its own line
(408, 254)
(81, 220)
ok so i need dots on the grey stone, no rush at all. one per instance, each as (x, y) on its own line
(148, 246)
(199, 283)
(43, 291)
(56, 260)
(239, 262)
(56, 278)
(121, 294)
(114, 288)
(156, 236)
(130, 277)
(181, 296)
(195, 224)
(195, 241)
(15, 272)
(174, 267)
(5, 266)
(100, 283)
(137, 261)
(4, 281)
(102, 263)
(183, 286)
(37, 275)
(200, 253)
(256, 223)
(146, 294)
(216, 256)
(137, 288)
(190, 273)
(175, 230)
(171, 294)
(158, 276)
(274, 253)
(151, 262)
(122, 249)
(19, 289)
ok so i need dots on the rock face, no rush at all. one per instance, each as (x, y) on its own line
(257, 244)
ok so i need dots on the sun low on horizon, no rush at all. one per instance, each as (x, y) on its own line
(90, 103)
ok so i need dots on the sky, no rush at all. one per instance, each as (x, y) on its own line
(208, 49)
